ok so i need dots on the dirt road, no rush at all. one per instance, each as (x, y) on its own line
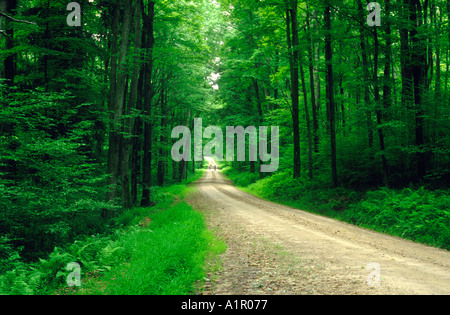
(274, 249)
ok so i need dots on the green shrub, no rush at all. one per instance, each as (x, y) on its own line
(167, 258)
(166, 255)
(420, 215)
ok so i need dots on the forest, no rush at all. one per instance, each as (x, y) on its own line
(90, 94)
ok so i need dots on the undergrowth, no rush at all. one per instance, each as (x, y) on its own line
(157, 250)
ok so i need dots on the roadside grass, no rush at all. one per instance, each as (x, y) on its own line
(169, 249)
(420, 215)
(166, 258)
(160, 250)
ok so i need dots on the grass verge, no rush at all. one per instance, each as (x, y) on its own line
(159, 250)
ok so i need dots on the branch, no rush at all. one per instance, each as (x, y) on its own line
(5, 34)
(15, 20)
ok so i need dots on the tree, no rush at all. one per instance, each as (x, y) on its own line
(148, 68)
(129, 119)
(293, 47)
(8, 7)
(330, 94)
(419, 72)
(118, 79)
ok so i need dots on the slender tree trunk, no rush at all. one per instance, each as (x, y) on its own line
(312, 84)
(128, 130)
(437, 87)
(330, 94)
(8, 6)
(256, 87)
(258, 98)
(378, 109)
(136, 159)
(405, 58)
(113, 151)
(117, 98)
(447, 59)
(147, 147)
(387, 86)
(308, 125)
(275, 90)
(47, 40)
(3, 8)
(420, 77)
(162, 140)
(365, 64)
(317, 83)
(342, 94)
(291, 16)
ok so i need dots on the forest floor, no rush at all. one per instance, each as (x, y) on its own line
(278, 250)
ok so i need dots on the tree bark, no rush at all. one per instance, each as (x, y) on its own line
(387, 85)
(330, 94)
(162, 140)
(128, 128)
(312, 85)
(117, 96)
(365, 64)
(420, 77)
(147, 158)
(405, 58)
(291, 16)
(308, 125)
(9, 66)
(378, 110)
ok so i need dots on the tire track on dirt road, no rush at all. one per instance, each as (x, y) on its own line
(319, 255)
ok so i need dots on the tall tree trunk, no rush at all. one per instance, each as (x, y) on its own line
(291, 16)
(147, 147)
(118, 95)
(258, 98)
(342, 94)
(447, 59)
(8, 7)
(437, 87)
(275, 89)
(47, 40)
(365, 64)
(405, 58)
(379, 112)
(420, 77)
(308, 125)
(128, 127)
(3, 8)
(387, 85)
(162, 140)
(330, 94)
(312, 84)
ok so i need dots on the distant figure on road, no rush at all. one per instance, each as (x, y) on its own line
(215, 167)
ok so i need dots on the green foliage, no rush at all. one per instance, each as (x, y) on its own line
(166, 258)
(420, 215)
(157, 250)
(241, 179)
(94, 254)
(50, 186)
